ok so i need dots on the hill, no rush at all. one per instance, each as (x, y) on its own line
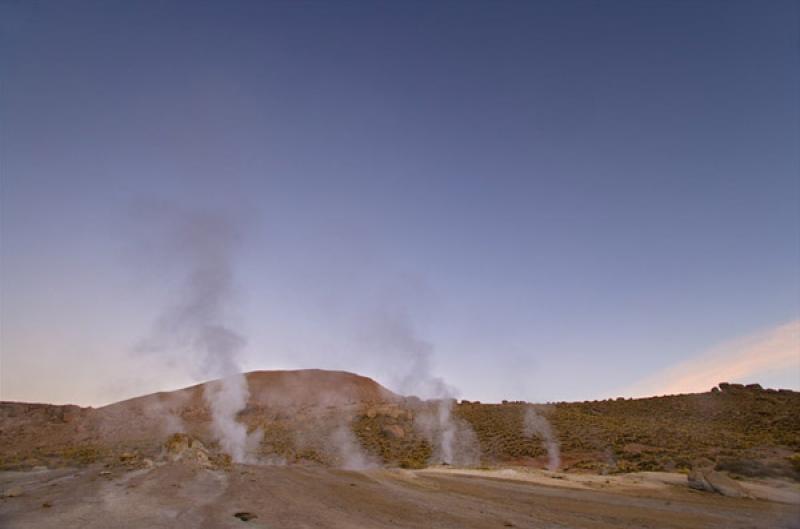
(745, 429)
(343, 419)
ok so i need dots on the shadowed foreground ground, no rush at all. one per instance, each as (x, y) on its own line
(175, 495)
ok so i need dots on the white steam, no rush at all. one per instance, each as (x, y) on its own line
(535, 424)
(392, 333)
(226, 397)
(195, 333)
(349, 452)
(165, 410)
(453, 440)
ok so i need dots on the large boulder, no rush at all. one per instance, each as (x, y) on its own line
(710, 480)
(697, 480)
(723, 484)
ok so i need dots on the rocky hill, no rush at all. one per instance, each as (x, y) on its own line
(342, 419)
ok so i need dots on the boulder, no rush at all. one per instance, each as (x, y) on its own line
(697, 480)
(394, 431)
(13, 492)
(723, 484)
(709, 480)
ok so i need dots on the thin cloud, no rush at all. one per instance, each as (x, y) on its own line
(740, 360)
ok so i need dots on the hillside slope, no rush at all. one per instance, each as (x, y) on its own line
(748, 430)
(342, 419)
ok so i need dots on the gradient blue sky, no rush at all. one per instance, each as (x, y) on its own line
(565, 198)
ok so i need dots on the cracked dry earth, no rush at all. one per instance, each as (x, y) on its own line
(174, 495)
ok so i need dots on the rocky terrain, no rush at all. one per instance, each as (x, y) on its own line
(336, 449)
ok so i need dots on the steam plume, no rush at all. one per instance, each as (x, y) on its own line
(537, 425)
(196, 332)
(350, 454)
(393, 333)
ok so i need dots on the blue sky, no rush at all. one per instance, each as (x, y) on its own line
(562, 198)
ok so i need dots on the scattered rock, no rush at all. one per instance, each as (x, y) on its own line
(105, 473)
(13, 492)
(46, 505)
(245, 516)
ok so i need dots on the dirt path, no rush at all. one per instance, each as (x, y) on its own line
(175, 495)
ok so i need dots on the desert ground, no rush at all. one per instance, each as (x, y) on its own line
(183, 495)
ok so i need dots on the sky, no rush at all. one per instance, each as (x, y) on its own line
(544, 201)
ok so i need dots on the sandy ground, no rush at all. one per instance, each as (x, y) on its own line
(637, 483)
(176, 495)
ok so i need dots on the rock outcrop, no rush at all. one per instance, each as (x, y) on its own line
(184, 448)
(705, 478)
